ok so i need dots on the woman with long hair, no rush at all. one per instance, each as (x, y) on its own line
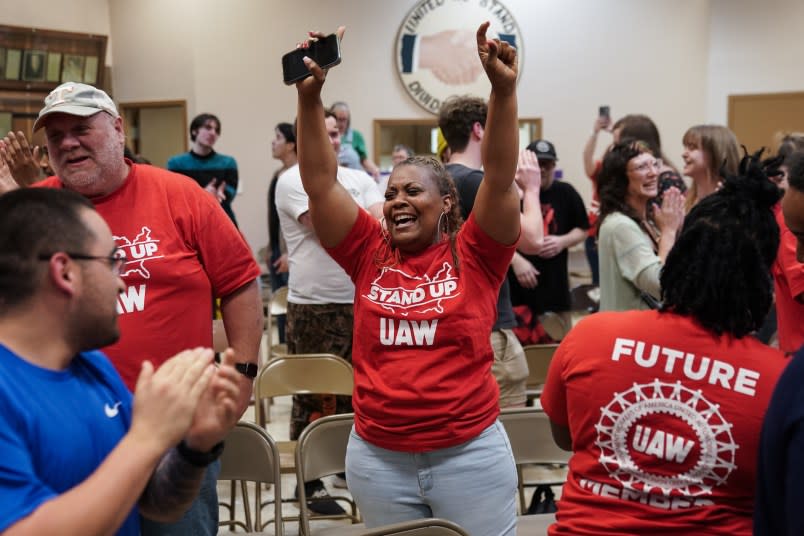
(633, 244)
(710, 153)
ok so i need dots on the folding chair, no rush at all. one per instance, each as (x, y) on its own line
(299, 374)
(278, 305)
(538, 357)
(250, 455)
(321, 451)
(532, 443)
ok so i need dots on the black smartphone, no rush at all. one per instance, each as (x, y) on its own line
(603, 111)
(326, 52)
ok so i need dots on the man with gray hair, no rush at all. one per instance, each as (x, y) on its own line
(183, 251)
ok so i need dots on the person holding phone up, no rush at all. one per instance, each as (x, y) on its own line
(426, 441)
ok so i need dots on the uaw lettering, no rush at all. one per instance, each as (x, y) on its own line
(436, 49)
(665, 445)
(402, 293)
(138, 251)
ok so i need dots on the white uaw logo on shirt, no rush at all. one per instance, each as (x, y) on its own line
(397, 291)
(138, 252)
(665, 437)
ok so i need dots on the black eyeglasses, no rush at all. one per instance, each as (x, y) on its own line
(116, 260)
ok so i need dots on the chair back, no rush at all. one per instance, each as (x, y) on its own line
(250, 454)
(302, 374)
(538, 357)
(531, 438)
(419, 527)
(279, 302)
(321, 451)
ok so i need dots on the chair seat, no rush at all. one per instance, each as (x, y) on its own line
(535, 525)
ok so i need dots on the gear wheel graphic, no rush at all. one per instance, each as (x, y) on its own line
(716, 459)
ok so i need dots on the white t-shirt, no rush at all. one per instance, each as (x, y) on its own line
(314, 278)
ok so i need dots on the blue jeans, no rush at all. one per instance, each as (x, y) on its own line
(473, 484)
(202, 517)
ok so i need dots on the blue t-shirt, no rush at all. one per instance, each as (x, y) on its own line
(56, 427)
(778, 511)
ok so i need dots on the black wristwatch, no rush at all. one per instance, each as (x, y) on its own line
(248, 370)
(198, 458)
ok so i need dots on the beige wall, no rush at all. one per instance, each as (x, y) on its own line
(224, 57)
(675, 61)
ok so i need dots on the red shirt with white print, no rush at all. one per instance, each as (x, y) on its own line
(788, 286)
(421, 349)
(665, 419)
(182, 251)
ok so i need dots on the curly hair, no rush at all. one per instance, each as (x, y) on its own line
(36, 221)
(451, 223)
(456, 118)
(612, 184)
(718, 272)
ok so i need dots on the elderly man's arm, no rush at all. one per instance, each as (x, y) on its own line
(243, 319)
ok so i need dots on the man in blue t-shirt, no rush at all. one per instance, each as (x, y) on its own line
(215, 172)
(77, 452)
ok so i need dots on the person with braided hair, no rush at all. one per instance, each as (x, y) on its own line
(426, 440)
(662, 408)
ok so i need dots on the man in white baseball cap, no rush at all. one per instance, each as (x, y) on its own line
(184, 250)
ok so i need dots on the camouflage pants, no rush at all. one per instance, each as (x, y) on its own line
(318, 329)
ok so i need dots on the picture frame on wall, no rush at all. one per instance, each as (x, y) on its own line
(34, 65)
(53, 67)
(73, 68)
(91, 70)
(13, 63)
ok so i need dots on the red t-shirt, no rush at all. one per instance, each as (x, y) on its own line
(421, 348)
(665, 420)
(788, 283)
(182, 249)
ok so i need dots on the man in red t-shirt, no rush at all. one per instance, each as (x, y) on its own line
(662, 409)
(181, 251)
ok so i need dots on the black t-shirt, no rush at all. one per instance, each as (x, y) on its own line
(467, 181)
(562, 211)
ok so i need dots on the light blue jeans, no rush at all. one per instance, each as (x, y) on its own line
(473, 484)
(202, 517)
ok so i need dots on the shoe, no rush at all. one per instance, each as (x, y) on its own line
(315, 490)
(339, 481)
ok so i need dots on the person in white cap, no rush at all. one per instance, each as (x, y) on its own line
(183, 251)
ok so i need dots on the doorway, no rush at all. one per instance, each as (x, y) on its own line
(156, 130)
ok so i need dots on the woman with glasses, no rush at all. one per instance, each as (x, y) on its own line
(633, 242)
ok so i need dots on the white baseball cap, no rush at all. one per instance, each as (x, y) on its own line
(76, 99)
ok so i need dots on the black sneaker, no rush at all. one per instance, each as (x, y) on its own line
(315, 490)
